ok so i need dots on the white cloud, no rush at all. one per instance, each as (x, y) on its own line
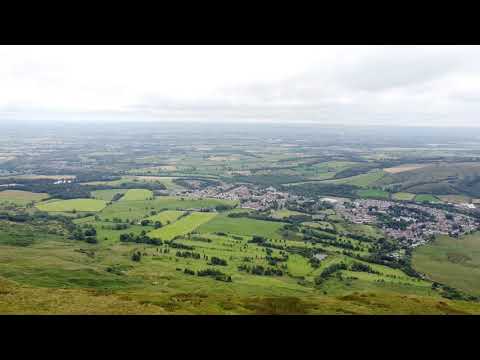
(392, 85)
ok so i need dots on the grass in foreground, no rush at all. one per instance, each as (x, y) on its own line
(454, 262)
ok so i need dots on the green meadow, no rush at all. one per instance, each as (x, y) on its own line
(137, 195)
(242, 226)
(74, 205)
(166, 217)
(373, 194)
(452, 261)
(107, 195)
(19, 197)
(403, 196)
(183, 226)
(427, 198)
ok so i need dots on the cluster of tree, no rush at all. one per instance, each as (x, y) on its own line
(188, 254)
(88, 234)
(361, 267)
(116, 227)
(420, 215)
(223, 207)
(387, 221)
(140, 239)
(260, 270)
(117, 197)
(216, 274)
(175, 245)
(137, 256)
(329, 271)
(217, 261)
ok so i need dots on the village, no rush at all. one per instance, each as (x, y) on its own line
(411, 224)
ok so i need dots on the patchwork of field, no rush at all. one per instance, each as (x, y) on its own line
(452, 261)
(169, 202)
(19, 197)
(137, 195)
(74, 205)
(183, 226)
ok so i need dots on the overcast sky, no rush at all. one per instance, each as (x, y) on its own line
(371, 85)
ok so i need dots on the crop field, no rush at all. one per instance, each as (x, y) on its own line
(107, 195)
(137, 195)
(455, 199)
(404, 167)
(74, 205)
(455, 262)
(19, 197)
(166, 217)
(183, 226)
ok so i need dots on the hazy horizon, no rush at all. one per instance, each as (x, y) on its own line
(427, 86)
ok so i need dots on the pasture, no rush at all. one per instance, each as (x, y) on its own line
(74, 205)
(373, 194)
(451, 261)
(362, 180)
(403, 196)
(137, 195)
(107, 195)
(19, 197)
(427, 198)
(166, 217)
(183, 226)
(404, 167)
(242, 226)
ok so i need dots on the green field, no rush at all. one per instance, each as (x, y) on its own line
(373, 194)
(284, 213)
(427, 198)
(173, 203)
(363, 180)
(403, 196)
(242, 226)
(183, 226)
(19, 197)
(166, 217)
(452, 261)
(137, 195)
(74, 205)
(107, 195)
